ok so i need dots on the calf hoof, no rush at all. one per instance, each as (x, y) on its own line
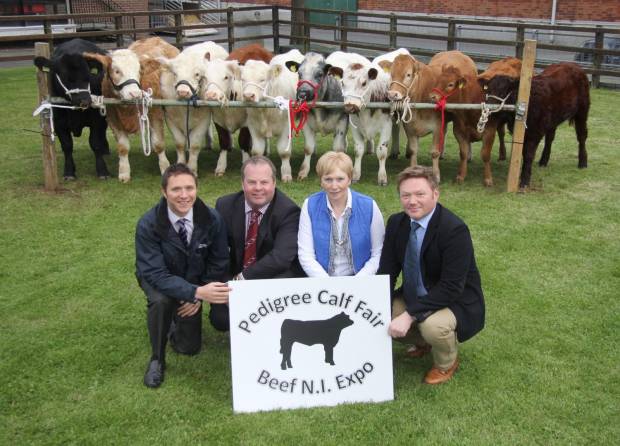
(501, 158)
(124, 178)
(394, 156)
(460, 180)
(70, 177)
(382, 182)
(522, 189)
(582, 165)
(543, 163)
(287, 178)
(488, 183)
(301, 177)
(219, 174)
(103, 177)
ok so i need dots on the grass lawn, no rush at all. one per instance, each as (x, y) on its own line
(74, 344)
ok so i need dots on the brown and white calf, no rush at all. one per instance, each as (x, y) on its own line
(183, 79)
(128, 73)
(415, 80)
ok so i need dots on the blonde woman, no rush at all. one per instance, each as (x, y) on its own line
(340, 231)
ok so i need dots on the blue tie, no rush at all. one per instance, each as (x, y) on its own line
(183, 232)
(411, 268)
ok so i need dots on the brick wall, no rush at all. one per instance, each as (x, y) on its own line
(567, 10)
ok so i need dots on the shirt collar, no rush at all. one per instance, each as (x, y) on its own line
(262, 210)
(174, 217)
(349, 201)
(423, 222)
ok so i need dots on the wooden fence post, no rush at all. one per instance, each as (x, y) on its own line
(520, 38)
(49, 155)
(597, 60)
(343, 31)
(306, 31)
(178, 24)
(47, 29)
(527, 71)
(393, 30)
(118, 25)
(451, 43)
(230, 21)
(275, 16)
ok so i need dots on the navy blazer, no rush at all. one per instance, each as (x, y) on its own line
(448, 268)
(163, 261)
(276, 244)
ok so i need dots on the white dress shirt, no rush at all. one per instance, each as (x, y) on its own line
(189, 222)
(305, 241)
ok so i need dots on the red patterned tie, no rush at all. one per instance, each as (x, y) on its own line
(249, 253)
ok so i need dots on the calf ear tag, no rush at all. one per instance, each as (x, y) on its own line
(386, 69)
(293, 68)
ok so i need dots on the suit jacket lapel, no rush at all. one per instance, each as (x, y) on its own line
(431, 231)
(238, 227)
(402, 239)
(263, 228)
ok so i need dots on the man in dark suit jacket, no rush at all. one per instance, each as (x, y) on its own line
(441, 301)
(181, 261)
(274, 246)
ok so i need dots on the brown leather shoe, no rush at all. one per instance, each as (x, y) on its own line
(438, 376)
(415, 351)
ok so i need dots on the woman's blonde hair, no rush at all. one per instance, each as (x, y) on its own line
(330, 161)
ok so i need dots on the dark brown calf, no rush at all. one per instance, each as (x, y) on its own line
(561, 92)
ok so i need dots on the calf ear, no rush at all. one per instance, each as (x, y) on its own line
(483, 82)
(372, 74)
(461, 82)
(42, 63)
(235, 69)
(335, 71)
(103, 59)
(386, 65)
(164, 62)
(292, 66)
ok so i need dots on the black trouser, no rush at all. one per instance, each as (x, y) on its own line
(219, 317)
(186, 335)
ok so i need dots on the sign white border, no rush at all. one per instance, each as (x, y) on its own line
(311, 314)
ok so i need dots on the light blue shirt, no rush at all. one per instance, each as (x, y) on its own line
(189, 222)
(420, 234)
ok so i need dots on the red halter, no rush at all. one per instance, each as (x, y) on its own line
(441, 105)
(302, 107)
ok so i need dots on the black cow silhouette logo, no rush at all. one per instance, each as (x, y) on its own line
(326, 332)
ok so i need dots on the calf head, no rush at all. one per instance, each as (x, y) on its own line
(188, 73)
(254, 75)
(220, 76)
(403, 72)
(356, 86)
(500, 87)
(312, 72)
(73, 76)
(122, 68)
(449, 82)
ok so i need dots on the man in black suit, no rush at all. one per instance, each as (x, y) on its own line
(262, 227)
(441, 301)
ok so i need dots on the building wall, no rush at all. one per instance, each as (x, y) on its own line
(98, 6)
(567, 10)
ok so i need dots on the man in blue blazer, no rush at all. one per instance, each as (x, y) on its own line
(441, 301)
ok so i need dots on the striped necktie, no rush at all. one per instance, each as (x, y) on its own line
(411, 267)
(183, 232)
(249, 253)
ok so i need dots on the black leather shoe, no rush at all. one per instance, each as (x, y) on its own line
(154, 375)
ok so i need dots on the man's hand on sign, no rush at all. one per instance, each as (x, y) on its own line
(214, 293)
(188, 309)
(400, 325)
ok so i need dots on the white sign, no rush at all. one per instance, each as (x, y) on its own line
(310, 342)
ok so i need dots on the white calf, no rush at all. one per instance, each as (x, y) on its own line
(262, 81)
(184, 80)
(223, 84)
(362, 84)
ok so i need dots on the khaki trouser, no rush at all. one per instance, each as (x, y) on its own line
(438, 330)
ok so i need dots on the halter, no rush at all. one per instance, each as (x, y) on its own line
(119, 87)
(441, 105)
(301, 107)
(402, 108)
(73, 90)
(486, 111)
